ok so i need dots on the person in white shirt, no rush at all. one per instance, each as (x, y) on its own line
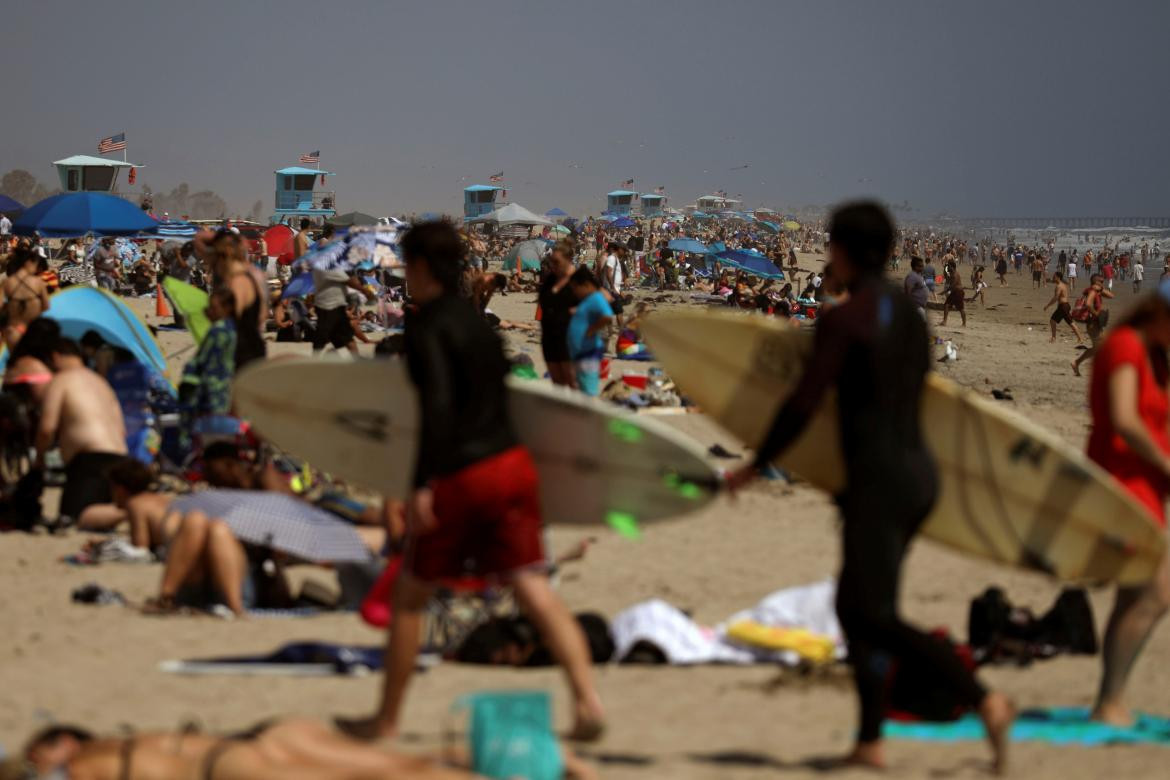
(5, 226)
(1139, 273)
(1072, 275)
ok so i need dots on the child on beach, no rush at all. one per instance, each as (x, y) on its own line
(590, 319)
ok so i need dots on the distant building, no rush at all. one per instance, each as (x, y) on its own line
(82, 173)
(713, 204)
(480, 199)
(620, 203)
(652, 205)
(296, 196)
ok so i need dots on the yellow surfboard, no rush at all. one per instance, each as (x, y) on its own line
(1010, 491)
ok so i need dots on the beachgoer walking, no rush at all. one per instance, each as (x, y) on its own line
(978, 287)
(1131, 418)
(232, 269)
(915, 286)
(956, 299)
(476, 498)
(1063, 310)
(557, 300)
(1139, 274)
(1091, 310)
(1038, 265)
(873, 349)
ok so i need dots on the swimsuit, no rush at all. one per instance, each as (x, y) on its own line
(87, 482)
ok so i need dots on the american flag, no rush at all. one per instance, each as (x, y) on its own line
(628, 183)
(496, 178)
(312, 157)
(115, 143)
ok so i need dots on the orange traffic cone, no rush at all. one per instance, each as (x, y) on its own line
(161, 309)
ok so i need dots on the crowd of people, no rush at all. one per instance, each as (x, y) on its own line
(474, 507)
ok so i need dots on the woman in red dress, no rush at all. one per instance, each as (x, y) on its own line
(1131, 440)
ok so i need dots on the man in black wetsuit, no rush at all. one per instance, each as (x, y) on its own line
(873, 349)
(476, 505)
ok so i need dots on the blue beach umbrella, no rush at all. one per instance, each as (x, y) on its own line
(172, 230)
(622, 222)
(299, 286)
(76, 214)
(688, 245)
(750, 261)
(556, 213)
(365, 247)
(9, 205)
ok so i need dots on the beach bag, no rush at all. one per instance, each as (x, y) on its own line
(1081, 312)
(511, 735)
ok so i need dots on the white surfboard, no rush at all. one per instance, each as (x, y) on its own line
(1009, 491)
(358, 421)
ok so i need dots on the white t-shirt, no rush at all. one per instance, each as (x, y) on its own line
(1072, 270)
(611, 261)
(5, 225)
(1139, 271)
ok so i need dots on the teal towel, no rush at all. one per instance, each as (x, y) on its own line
(1059, 726)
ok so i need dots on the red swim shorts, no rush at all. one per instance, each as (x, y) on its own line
(488, 518)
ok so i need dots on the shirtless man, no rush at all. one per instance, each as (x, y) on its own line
(81, 413)
(301, 242)
(26, 296)
(1038, 271)
(1063, 312)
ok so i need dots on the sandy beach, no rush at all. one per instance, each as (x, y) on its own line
(98, 666)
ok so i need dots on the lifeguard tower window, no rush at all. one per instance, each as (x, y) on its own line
(97, 179)
(623, 200)
(482, 197)
(304, 183)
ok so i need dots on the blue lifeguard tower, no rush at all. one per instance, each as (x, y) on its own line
(480, 199)
(652, 205)
(620, 203)
(295, 196)
(82, 173)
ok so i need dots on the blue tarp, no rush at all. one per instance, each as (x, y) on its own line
(79, 309)
(75, 214)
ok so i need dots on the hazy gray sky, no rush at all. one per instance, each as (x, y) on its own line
(983, 108)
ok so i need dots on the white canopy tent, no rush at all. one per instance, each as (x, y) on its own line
(513, 214)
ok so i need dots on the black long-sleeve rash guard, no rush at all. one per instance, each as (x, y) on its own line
(458, 365)
(874, 350)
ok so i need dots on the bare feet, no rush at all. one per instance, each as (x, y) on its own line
(997, 713)
(1112, 714)
(1076, 368)
(867, 754)
(589, 721)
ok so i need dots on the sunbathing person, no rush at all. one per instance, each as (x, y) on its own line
(293, 749)
(152, 524)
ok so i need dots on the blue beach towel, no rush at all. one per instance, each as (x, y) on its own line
(1057, 726)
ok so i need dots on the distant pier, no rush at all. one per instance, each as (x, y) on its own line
(1067, 223)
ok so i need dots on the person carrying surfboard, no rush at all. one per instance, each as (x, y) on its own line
(873, 349)
(476, 496)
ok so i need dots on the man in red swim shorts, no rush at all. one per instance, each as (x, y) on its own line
(476, 505)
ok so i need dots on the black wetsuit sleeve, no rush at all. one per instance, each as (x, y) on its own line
(829, 347)
(436, 396)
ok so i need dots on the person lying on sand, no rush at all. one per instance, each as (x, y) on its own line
(295, 748)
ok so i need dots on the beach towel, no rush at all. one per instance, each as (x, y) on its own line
(301, 659)
(1058, 726)
(684, 642)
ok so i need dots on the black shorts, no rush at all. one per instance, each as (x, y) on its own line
(87, 482)
(332, 328)
(1062, 313)
(1037, 276)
